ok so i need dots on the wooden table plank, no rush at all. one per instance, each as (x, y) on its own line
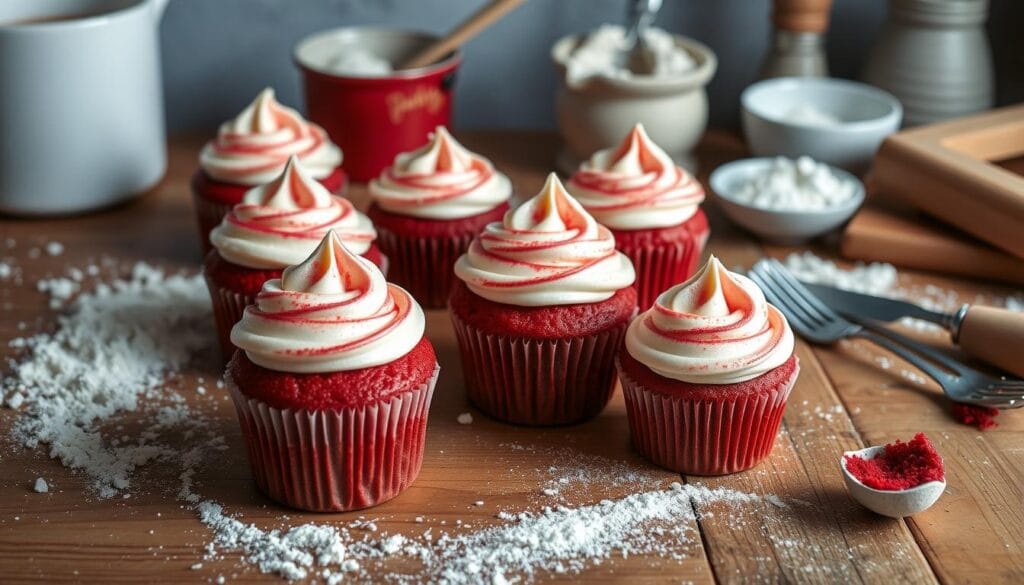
(972, 535)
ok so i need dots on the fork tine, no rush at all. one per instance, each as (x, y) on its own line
(795, 299)
(781, 297)
(796, 287)
(798, 319)
(1002, 403)
(1001, 390)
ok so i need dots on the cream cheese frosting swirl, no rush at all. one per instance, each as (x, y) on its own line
(548, 251)
(636, 185)
(333, 312)
(441, 180)
(279, 224)
(254, 147)
(715, 328)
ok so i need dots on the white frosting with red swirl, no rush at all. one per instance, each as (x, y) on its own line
(548, 251)
(441, 180)
(636, 185)
(715, 328)
(333, 312)
(280, 223)
(254, 147)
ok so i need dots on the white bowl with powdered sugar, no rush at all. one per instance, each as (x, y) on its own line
(785, 200)
(836, 121)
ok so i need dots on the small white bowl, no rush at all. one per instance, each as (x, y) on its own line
(781, 226)
(867, 115)
(894, 504)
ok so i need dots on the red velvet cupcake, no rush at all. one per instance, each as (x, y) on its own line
(332, 384)
(541, 311)
(428, 206)
(706, 373)
(276, 225)
(251, 150)
(652, 207)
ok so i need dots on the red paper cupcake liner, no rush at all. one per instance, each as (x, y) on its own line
(209, 214)
(336, 460)
(701, 437)
(228, 307)
(661, 266)
(423, 266)
(538, 382)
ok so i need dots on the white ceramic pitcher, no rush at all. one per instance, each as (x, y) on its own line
(81, 104)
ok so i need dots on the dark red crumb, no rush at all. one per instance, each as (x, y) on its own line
(901, 466)
(982, 417)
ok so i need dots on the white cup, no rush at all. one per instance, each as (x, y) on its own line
(81, 104)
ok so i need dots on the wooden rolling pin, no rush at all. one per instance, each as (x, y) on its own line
(480, 20)
(994, 335)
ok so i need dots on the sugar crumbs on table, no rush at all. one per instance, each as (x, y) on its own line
(41, 487)
(982, 417)
(465, 418)
(900, 466)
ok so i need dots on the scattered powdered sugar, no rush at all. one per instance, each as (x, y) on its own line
(40, 486)
(54, 248)
(112, 346)
(465, 418)
(876, 278)
(558, 540)
(795, 185)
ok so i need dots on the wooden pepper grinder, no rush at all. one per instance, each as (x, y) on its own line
(798, 42)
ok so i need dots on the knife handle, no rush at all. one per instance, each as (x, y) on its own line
(994, 335)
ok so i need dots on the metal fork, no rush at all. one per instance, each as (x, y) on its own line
(818, 323)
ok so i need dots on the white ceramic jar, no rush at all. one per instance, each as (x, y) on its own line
(599, 112)
(81, 105)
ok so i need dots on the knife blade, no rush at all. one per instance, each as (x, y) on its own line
(878, 308)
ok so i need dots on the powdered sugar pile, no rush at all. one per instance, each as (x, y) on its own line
(114, 345)
(802, 184)
(559, 540)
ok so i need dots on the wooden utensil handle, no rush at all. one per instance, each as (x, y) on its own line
(482, 19)
(996, 336)
(802, 15)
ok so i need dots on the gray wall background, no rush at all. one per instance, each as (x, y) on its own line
(218, 53)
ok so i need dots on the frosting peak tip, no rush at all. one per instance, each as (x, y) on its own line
(331, 269)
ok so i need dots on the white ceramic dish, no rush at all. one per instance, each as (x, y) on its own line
(786, 227)
(894, 504)
(866, 116)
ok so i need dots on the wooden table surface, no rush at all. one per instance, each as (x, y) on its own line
(843, 400)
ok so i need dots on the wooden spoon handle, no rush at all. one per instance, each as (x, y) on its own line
(480, 20)
(802, 15)
(996, 336)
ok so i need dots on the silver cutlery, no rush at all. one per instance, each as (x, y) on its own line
(818, 323)
(987, 333)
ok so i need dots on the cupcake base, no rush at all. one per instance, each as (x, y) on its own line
(213, 199)
(704, 430)
(336, 460)
(663, 257)
(422, 252)
(539, 381)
